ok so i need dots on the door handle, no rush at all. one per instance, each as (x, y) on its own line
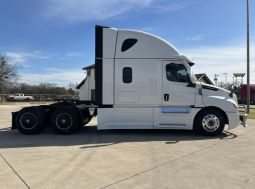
(166, 97)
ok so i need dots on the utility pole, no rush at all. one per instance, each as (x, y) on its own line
(225, 79)
(2, 75)
(215, 79)
(2, 68)
(248, 60)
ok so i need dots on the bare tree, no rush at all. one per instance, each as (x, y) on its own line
(221, 84)
(8, 70)
(71, 89)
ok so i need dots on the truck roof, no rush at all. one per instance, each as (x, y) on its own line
(115, 43)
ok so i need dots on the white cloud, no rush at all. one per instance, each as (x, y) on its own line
(195, 38)
(73, 54)
(22, 57)
(54, 75)
(229, 59)
(145, 29)
(170, 5)
(98, 10)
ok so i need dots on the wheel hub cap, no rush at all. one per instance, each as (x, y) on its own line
(211, 123)
(28, 120)
(64, 121)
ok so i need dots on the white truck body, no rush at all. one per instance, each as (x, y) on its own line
(141, 82)
(135, 89)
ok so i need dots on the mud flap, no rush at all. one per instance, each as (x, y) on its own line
(14, 114)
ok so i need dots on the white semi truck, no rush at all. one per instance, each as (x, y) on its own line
(142, 82)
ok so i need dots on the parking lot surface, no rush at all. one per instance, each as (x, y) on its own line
(117, 159)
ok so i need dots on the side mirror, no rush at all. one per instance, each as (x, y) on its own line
(171, 66)
(233, 87)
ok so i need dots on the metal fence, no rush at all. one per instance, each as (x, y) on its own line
(36, 98)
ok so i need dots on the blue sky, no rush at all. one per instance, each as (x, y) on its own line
(54, 39)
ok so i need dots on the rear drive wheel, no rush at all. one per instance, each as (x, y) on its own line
(46, 116)
(209, 122)
(30, 120)
(65, 120)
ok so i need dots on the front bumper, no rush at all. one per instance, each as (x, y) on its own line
(243, 117)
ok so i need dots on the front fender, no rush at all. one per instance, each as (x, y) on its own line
(226, 105)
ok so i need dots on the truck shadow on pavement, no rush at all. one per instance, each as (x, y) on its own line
(90, 137)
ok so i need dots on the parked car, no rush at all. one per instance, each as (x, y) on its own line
(20, 97)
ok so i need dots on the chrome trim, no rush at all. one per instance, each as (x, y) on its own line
(243, 118)
(211, 123)
(166, 125)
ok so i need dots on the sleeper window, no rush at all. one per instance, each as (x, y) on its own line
(127, 75)
(177, 74)
(127, 44)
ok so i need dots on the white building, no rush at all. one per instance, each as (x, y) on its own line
(87, 86)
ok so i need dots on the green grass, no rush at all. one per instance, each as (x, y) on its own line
(251, 114)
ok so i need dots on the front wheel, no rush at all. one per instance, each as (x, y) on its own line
(209, 122)
(252, 102)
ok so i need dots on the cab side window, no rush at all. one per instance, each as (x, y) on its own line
(177, 73)
(127, 75)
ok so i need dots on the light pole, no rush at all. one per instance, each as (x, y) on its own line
(2, 75)
(248, 60)
(2, 68)
(215, 79)
(233, 80)
(225, 79)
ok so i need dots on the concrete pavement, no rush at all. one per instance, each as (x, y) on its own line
(125, 159)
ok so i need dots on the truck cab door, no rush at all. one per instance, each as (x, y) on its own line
(175, 89)
(16, 97)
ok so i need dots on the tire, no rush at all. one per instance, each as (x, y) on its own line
(46, 116)
(65, 120)
(30, 120)
(11, 99)
(252, 102)
(28, 99)
(209, 122)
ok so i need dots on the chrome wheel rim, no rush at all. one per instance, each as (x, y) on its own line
(211, 123)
